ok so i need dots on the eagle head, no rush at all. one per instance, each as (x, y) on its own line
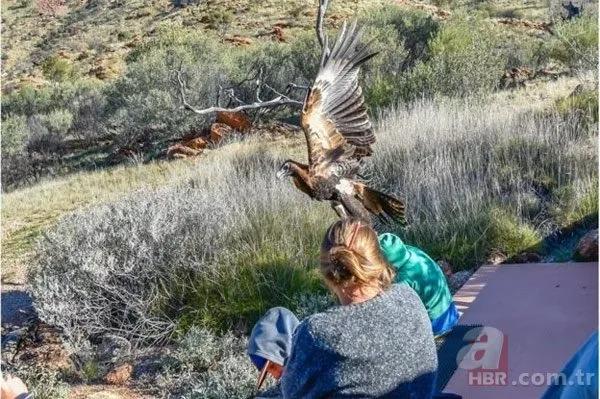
(285, 170)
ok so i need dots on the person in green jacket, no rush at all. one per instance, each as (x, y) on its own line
(416, 269)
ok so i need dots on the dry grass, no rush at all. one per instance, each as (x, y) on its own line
(167, 247)
(27, 212)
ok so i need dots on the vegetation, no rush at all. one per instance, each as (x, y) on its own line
(75, 122)
(164, 259)
(575, 42)
(191, 253)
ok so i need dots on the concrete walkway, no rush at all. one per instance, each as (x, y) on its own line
(544, 311)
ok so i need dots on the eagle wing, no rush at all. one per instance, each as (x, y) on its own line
(334, 117)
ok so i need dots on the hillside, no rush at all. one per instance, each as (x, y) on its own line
(486, 119)
(96, 35)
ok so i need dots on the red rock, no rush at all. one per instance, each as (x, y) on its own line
(197, 144)
(239, 40)
(119, 375)
(178, 150)
(218, 131)
(587, 248)
(235, 120)
(278, 32)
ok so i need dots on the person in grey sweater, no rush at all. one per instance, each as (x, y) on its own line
(377, 343)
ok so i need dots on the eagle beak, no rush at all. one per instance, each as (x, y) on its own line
(281, 173)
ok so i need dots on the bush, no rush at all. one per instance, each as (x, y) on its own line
(58, 122)
(58, 69)
(575, 42)
(212, 255)
(28, 101)
(14, 136)
(463, 61)
(88, 107)
(144, 104)
(206, 365)
(583, 104)
(511, 235)
(41, 140)
(401, 38)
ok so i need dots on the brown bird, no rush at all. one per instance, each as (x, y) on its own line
(339, 134)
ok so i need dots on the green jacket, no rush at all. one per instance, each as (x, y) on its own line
(416, 269)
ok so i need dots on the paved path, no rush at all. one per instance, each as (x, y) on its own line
(545, 311)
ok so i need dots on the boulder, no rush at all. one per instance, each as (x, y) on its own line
(197, 144)
(278, 32)
(587, 248)
(235, 120)
(218, 131)
(178, 150)
(119, 375)
(239, 40)
(496, 258)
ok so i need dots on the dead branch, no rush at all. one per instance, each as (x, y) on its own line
(281, 99)
(321, 35)
(278, 101)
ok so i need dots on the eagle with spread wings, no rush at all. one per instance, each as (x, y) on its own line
(339, 134)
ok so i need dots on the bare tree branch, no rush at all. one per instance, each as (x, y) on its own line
(322, 36)
(281, 99)
(275, 102)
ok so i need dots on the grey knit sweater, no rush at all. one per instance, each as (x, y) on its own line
(381, 348)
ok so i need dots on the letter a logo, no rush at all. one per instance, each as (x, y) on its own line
(485, 349)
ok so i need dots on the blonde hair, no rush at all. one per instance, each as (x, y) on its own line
(350, 255)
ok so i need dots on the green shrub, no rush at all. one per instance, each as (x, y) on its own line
(58, 122)
(575, 42)
(58, 69)
(14, 135)
(583, 104)
(400, 37)
(28, 101)
(576, 203)
(463, 60)
(145, 103)
(509, 234)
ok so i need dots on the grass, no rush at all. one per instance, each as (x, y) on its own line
(224, 241)
(458, 166)
(29, 211)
